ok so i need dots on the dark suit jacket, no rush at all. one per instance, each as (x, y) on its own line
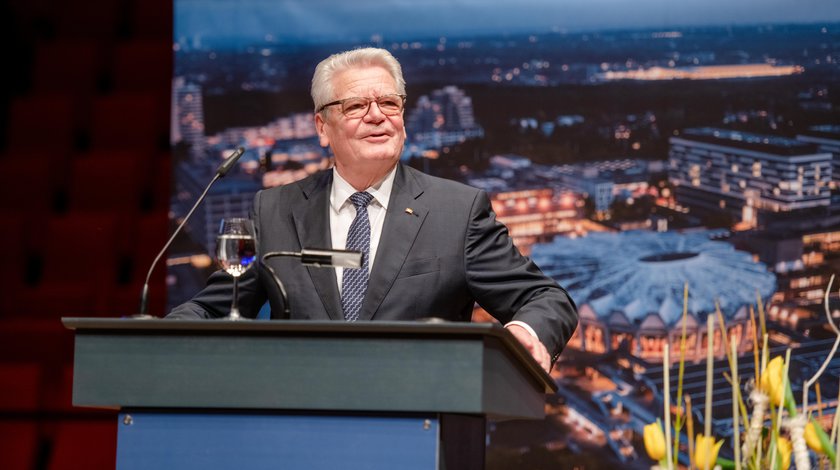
(434, 262)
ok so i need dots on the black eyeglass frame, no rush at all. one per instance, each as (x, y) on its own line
(369, 101)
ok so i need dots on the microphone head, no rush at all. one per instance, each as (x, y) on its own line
(331, 258)
(225, 167)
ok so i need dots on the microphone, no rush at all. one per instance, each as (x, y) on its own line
(223, 169)
(226, 165)
(319, 258)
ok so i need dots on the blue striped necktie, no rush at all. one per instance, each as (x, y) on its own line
(355, 281)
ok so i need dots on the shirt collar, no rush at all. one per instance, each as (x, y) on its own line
(342, 190)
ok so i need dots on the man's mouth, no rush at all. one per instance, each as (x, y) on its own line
(376, 136)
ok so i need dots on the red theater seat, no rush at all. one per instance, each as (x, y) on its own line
(33, 179)
(18, 444)
(145, 240)
(84, 445)
(160, 181)
(81, 245)
(79, 268)
(114, 180)
(48, 121)
(41, 341)
(94, 19)
(126, 120)
(73, 66)
(58, 390)
(13, 262)
(151, 19)
(143, 243)
(20, 386)
(143, 65)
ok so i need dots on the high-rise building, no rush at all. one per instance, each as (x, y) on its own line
(188, 116)
(230, 197)
(747, 175)
(443, 117)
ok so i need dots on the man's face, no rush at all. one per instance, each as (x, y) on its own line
(372, 142)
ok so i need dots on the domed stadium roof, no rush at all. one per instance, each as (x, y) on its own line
(639, 273)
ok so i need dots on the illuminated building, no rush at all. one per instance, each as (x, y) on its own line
(828, 139)
(293, 127)
(443, 117)
(605, 180)
(747, 175)
(230, 197)
(708, 72)
(538, 215)
(629, 288)
(803, 256)
(188, 116)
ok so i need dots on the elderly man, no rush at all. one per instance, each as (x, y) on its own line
(432, 247)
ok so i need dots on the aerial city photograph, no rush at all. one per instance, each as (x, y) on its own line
(673, 165)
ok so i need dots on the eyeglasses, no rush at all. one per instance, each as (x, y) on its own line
(356, 107)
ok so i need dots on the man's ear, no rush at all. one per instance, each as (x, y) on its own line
(319, 127)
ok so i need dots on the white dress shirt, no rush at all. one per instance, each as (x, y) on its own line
(342, 214)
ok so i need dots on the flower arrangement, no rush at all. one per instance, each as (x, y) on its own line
(772, 433)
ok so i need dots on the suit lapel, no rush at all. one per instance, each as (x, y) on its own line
(398, 234)
(312, 224)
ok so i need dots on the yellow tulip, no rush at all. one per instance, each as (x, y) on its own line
(655, 441)
(771, 380)
(812, 439)
(706, 452)
(785, 449)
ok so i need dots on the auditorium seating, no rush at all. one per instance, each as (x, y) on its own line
(84, 206)
(109, 181)
(94, 19)
(142, 62)
(145, 19)
(45, 121)
(20, 386)
(39, 174)
(88, 445)
(19, 444)
(126, 119)
(70, 66)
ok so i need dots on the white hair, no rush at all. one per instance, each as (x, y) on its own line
(322, 86)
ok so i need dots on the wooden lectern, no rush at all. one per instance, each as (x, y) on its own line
(303, 395)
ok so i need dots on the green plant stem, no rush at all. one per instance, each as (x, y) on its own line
(790, 402)
(725, 464)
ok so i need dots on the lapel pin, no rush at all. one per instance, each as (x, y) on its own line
(409, 211)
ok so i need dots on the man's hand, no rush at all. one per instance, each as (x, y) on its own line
(533, 345)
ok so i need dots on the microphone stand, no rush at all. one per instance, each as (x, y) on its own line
(220, 172)
(319, 258)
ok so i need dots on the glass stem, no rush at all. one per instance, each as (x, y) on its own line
(234, 306)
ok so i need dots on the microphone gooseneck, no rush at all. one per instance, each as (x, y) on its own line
(320, 258)
(223, 169)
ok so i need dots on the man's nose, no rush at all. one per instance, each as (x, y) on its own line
(374, 114)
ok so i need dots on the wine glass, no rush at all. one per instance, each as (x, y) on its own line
(236, 250)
